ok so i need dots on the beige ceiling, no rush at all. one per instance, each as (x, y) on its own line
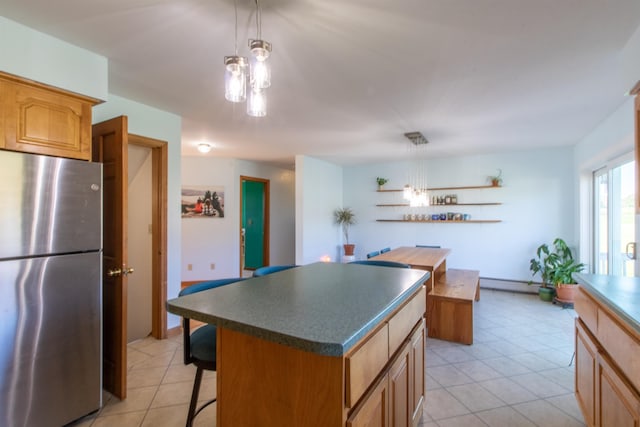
(351, 76)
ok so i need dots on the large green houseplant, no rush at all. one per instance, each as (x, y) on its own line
(555, 265)
(345, 217)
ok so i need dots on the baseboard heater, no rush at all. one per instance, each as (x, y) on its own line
(508, 285)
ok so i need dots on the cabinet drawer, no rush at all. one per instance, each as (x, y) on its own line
(402, 323)
(586, 309)
(365, 364)
(621, 346)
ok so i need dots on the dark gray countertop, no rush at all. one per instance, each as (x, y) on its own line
(620, 294)
(324, 308)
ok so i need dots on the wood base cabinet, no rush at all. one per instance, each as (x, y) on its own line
(606, 380)
(398, 397)
(39, 119)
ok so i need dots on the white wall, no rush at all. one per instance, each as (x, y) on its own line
(537, 206)
(319, 190)
(217, 240)
(153, 123)
(631, 61)
(37, 56)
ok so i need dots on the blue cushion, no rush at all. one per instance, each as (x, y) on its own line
(263, 271)
(382, 263)
(384, 250)
(372, 254)
(203, 286)
(203, 343)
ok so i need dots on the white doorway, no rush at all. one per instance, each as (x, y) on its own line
(615, 225)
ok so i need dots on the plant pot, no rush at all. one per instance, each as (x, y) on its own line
(566, 292)
(380, 187)
(546, 294)
(495, 183)
(349, 249)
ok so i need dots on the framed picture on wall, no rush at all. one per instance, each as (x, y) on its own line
(202, 201)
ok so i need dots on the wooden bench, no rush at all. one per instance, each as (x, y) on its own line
(450, 305)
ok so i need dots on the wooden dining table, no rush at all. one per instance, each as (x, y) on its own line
(433, 260)
(430, 259)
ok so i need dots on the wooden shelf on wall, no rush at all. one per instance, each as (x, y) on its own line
(437, 206)
(473, 187)
(443, 221)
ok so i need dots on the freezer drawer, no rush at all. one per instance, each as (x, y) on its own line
(48, 205)
(50, 339)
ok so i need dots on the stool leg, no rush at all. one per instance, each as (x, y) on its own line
(194, 397)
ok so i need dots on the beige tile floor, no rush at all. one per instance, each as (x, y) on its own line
(515, 374)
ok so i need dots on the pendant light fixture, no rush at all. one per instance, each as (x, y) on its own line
(415, 191)
(237, 83)
(235, 70)
(260, 67)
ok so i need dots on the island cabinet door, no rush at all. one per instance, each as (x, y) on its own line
(373, 411)
(618, 403)
(417, 373)
(400, 388)
(586, 365)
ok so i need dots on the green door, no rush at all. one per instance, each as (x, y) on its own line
(253, 214)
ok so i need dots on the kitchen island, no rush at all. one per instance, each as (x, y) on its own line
(320, 345)
(608, 349)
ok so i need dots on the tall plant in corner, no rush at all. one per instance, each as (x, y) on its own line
(345, 217)
(555, 266)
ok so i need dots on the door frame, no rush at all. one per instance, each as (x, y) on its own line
(266, 218)
(159, 161)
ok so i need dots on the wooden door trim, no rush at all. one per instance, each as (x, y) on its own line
(267, 220)
(159, 170)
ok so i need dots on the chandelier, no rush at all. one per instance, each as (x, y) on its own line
(237, 81)
(415, 191)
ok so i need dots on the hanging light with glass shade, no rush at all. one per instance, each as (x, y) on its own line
(415, 191)
(235, 71)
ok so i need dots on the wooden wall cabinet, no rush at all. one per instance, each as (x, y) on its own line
(607, 373)
(39, 119)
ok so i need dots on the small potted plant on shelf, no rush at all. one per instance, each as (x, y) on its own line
(496, 180)
(345, 217)
(556, 267)
(381, 182)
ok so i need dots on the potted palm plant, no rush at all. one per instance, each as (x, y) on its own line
(345, 217)
(556, 266)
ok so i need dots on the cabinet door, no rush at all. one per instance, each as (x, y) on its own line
(401, 388)
(373, 411)
(42, 121)
(417, 373)
(586, 359)
(618, 404)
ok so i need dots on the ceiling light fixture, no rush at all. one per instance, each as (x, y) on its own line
(259, 76)
(415, 191)
(203, 147)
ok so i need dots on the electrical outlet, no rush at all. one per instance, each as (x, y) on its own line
(213, 266)
(189, 267)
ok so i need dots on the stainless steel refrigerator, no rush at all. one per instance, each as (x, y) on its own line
(50, 289)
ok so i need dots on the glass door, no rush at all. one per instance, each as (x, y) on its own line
(615, 219)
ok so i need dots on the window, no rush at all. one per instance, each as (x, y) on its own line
(614, 224)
